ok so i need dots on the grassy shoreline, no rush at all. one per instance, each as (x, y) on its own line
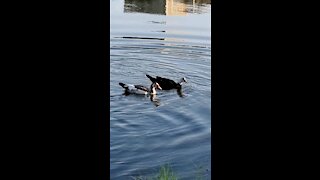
(166, 173)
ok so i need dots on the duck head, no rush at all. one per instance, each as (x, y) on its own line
(182, 80)
(153, 87)
(157, 86)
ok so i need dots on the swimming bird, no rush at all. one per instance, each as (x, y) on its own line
(139, 89)
(167, 84)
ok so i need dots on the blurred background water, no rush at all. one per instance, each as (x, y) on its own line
(172, 39)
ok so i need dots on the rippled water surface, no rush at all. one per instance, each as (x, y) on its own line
(172, 39)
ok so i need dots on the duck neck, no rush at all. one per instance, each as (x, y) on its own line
(152, 89)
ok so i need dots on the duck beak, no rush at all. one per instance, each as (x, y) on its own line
(157, 86)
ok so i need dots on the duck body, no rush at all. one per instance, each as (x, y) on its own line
(140, 89)
(167, 84)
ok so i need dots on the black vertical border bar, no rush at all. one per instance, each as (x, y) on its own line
(104, 123)
(216, 58)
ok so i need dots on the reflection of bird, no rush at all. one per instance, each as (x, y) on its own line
(139, 89)
(179, 92)
(155, 101)
(167, 84)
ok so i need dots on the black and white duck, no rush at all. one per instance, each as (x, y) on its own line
(167, 84)
(141, 90)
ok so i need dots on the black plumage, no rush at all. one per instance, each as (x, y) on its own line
(167, 84)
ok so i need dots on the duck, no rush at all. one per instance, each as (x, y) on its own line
(167, 84)
(140, 89)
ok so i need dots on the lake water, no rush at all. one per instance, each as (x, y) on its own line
(172, 39)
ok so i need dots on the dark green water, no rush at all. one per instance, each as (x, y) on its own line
(170, 39)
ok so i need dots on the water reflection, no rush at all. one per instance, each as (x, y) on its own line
(148, 38)
(155, 100)
(180, 93)
(166, 7)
